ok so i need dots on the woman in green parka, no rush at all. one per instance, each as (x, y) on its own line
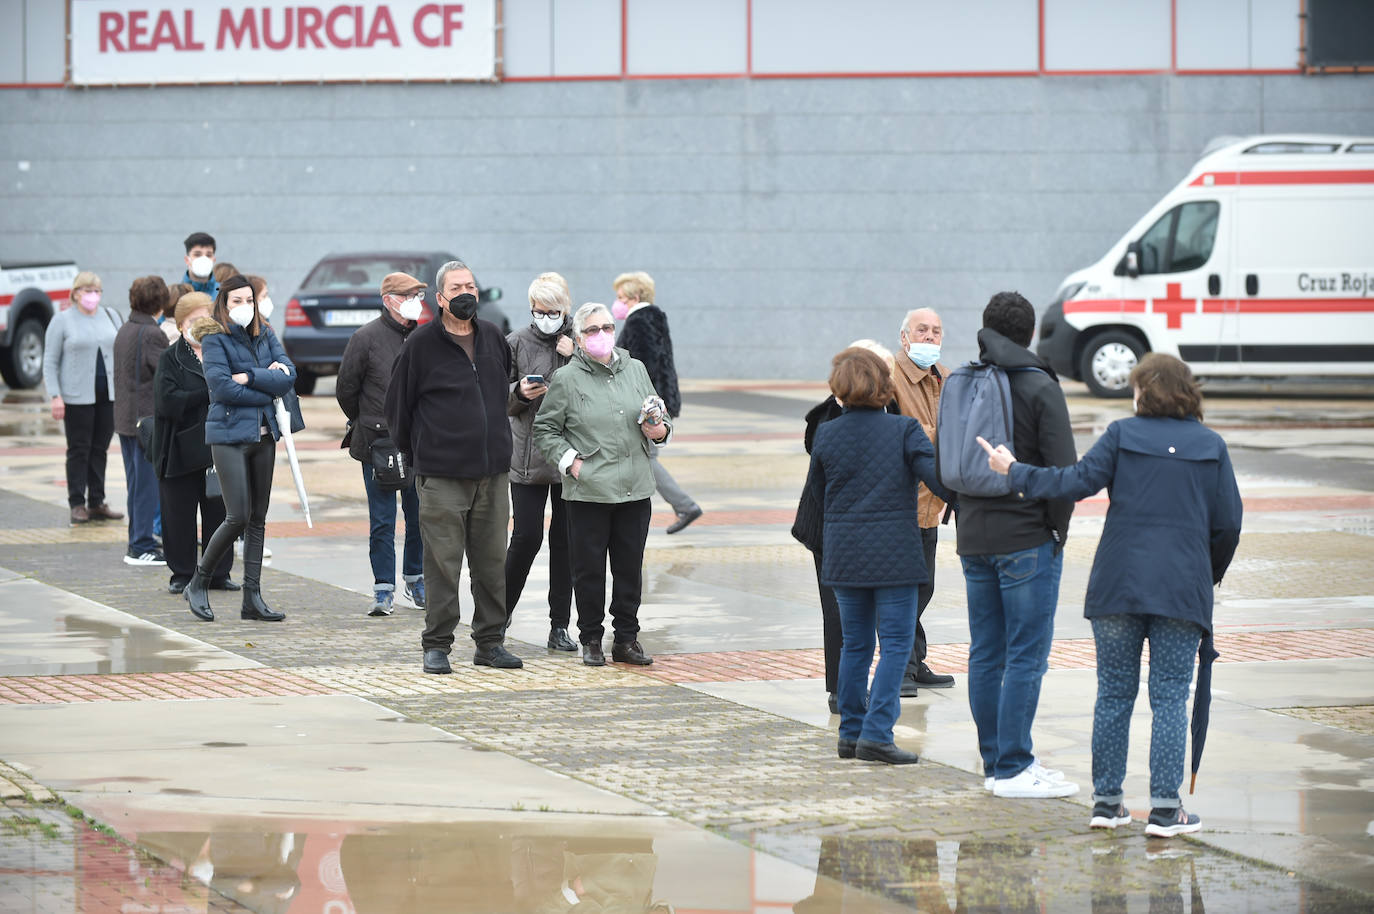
(593, 426)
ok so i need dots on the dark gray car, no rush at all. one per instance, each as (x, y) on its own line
(342, 292)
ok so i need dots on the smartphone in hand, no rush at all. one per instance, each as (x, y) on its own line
(535, 379)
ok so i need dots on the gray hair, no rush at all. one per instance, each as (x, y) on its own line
(874, 347)
(906, 321)
(550, 295)
(585, 312)
(447, 269)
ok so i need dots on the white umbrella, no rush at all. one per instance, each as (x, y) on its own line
(284, 424)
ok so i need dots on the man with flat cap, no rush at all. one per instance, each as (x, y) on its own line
(364, 376)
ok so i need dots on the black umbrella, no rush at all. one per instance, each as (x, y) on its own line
(1202, 703)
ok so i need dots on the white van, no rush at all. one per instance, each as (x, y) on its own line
(1260, 263)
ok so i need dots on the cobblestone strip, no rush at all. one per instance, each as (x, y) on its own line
(725, 766)
(16, 785)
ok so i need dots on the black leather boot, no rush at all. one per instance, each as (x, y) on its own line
(253, 606)
(197, 593)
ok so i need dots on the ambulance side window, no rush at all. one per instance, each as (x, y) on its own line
(1181, 239)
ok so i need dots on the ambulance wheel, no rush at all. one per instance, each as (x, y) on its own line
(1107, 361)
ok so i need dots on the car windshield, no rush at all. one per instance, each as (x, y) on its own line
(362, 272)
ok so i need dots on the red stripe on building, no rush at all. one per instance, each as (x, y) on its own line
(1342, 176)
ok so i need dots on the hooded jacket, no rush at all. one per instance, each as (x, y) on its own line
(1041, 436)
(446, 411)
(532, 352)
(593, 409)
(1173, 523)
(364, 376)
(239, 412)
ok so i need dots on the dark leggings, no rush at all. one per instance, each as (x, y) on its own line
(245, 475)
(89, 428)
(527, 535)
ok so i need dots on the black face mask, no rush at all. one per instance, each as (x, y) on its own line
(463, 307)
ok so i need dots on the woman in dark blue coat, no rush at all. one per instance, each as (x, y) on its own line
(1172, 528)
(245, 370)
(865, 467)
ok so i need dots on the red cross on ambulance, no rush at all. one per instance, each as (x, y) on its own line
(1174, 305)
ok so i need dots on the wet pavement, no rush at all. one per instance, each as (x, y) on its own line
(310, 766)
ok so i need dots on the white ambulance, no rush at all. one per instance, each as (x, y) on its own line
(1260, 263)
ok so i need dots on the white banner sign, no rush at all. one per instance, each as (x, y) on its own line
(116, 42)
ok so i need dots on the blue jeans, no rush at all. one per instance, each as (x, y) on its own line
(141, 482)
(1173, 645)
(381, 540)
(1011, 602)
(891, 613)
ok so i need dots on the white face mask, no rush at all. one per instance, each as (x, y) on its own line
(242, 314)
(265, 307)
(202, 266)
(923, 354)
(411, 308)
(549, 324)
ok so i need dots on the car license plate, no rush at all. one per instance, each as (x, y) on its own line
(350, 318)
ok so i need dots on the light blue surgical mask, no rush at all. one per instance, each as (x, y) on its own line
(923, 354)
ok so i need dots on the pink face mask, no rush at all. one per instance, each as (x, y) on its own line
(89, 301)
(619, 310)
(600, 344)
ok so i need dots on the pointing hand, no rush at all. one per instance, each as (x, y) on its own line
(999, 458)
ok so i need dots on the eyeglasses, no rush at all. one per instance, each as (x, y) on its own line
(604, 328)
(538, 314)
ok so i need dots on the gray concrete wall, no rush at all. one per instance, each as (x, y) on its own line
(781, 218)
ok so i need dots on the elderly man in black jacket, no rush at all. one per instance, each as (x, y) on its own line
(364, 376)
(446, 409)
(1011, 548)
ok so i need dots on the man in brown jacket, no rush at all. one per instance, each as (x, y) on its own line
(918, 376)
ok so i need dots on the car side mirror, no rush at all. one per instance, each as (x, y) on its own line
(491, 293)
(1133, 259)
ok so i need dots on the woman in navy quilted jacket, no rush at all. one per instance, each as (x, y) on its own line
(865, 468)
(1172, 528)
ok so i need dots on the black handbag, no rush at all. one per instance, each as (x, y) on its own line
(212, 487)
(390, 469)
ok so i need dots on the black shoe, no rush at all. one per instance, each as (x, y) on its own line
(496, 655)
(176, 586)
(199, 598)
(834, 702)
(933, 680)
(685, 518)
(909, 689)
(225, 584)
(592, 655)
(870, 751)
(255, 610)
(845, 747)
(436, 661)
(630, 652)
(559, 640)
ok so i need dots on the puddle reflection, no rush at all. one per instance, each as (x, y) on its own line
(544, 867)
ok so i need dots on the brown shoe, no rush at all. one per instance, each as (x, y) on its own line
(630, 652)
(102, 511)
(80, 515)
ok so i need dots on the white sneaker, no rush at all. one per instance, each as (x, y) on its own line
(1046, 774)
(1028, 785)
(988, 782)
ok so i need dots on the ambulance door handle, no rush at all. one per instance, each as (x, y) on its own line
(1213, 284)
(1251, 284)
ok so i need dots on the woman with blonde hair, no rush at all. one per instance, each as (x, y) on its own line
(78, 371)
(538, 351)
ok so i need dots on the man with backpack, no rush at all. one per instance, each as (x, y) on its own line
(1011, 547)
(364, 375)
(917, 377)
